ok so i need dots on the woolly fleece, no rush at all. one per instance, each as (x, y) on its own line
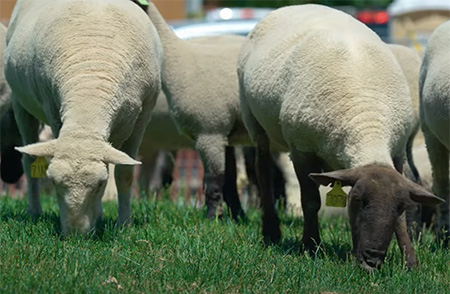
(90, 70)
(434, 87)
(328, 87)
(200, 81)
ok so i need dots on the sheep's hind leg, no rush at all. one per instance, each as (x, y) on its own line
(212, 152)
(304, 164)
(439, 158)
(146, 171)
(230, 192)
(264, 175)
(29, 130)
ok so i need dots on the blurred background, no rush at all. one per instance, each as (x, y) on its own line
(406, 22)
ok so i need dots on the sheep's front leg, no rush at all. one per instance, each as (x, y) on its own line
(405, 242)
(230, 187)
(29, 130)
(439, 159)
(212, 152)
(304, 164)
(124, 173)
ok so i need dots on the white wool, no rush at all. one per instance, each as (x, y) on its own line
(435, 85)
(200, 81)
(329, 87)
(90, 70)
(409, 61)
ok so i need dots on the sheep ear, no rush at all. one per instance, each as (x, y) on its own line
(43, 149)
(114, 156)
(421, 195)
(348, 177)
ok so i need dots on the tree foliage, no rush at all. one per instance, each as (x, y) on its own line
(280, 3)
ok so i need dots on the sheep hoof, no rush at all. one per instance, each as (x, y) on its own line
(271, 232)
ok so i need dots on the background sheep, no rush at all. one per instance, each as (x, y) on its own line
(434, 85)
(410, 61)
(160, 134)
(10, 166)
(90, 70)
(200, 81)
(317, 82)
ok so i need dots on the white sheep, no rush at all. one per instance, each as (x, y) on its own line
(90, 70)
(409, 61)
(434, 88)
(160, 134)
(319, 83)
(200, 80)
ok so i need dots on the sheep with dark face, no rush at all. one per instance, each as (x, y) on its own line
(318, 83)
(434, 89)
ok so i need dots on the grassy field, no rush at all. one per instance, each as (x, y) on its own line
(173, 248)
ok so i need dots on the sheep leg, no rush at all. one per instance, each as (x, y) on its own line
(11, 160)
(169, 165)
(439, 159)
(404, 242)
(413, 209)
(304, 164)
(124, 173)
(230, 192)
(249, 157)
(29, 130)
(146, 171)
(279, 181)
(264, 170)
(212, 152)
(410, 160)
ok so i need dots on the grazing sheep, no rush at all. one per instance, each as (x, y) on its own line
(434, 87)
(90, 70)
(200, 80)
(317, 82)
(409, 61)
(160, 134)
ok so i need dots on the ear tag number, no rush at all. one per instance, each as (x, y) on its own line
(144, 2)
(336, 197)
(39, 168)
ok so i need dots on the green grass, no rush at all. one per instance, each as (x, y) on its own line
(173, 248)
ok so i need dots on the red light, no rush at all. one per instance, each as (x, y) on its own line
(365, 17)
(246, 13)
(381, 17)
(378, 17)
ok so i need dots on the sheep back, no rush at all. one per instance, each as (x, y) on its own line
(200, 81)
(319, 81)
(102, 55)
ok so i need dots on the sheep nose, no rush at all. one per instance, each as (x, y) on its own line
(372, 258)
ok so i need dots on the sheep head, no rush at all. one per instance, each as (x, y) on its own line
(79, 170)
(376, 205)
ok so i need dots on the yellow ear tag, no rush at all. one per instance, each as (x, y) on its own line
(39, 168)
(144, 2)
(336, 197)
